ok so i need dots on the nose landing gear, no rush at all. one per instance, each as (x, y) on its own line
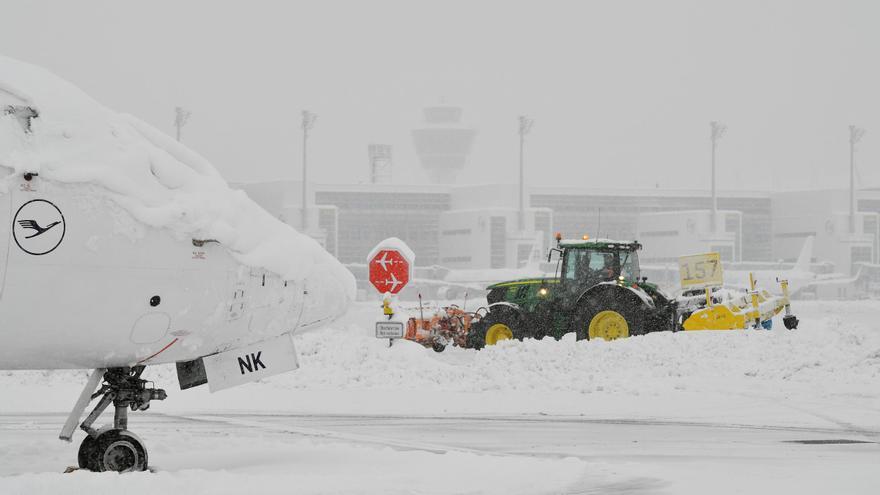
(112, 448)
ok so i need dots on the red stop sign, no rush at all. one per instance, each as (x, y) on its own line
(389, 271)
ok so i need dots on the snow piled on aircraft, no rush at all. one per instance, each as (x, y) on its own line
(160, 182)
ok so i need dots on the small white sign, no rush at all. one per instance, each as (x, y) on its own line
(389, 330)
(247, 364)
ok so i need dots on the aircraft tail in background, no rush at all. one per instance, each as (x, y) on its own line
(803, 261)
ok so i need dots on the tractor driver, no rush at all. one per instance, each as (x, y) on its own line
(607, 270)
(600, 266)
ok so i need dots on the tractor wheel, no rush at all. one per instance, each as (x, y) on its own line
(607, 319)
(495, 327)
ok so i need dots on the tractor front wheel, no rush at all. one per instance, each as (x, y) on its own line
(495, 327)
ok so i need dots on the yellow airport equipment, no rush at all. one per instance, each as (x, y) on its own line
(741, 310)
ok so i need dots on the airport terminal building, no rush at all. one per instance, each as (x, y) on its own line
(462, 227)
(481, 226)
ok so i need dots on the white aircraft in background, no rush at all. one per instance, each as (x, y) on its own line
(799, 277)
(478, 279)
(85, 286)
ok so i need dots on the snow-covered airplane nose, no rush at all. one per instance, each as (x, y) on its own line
(327, 295)
(137, 244)
(129, 249)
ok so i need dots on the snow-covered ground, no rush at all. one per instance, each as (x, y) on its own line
(663, 413)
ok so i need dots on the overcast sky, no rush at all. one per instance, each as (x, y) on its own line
(621, 92)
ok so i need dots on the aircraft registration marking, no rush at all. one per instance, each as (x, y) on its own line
(250, 363)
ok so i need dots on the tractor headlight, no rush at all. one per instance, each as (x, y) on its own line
(543, 291)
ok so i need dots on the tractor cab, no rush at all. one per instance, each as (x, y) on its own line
(589, 262)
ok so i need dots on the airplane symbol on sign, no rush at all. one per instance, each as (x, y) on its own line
(393, 282)
(384, 261)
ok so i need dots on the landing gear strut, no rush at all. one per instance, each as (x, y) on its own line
(113, 448)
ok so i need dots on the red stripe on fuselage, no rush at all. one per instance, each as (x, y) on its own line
(160, 351)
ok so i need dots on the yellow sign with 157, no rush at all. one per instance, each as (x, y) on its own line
(700, 270)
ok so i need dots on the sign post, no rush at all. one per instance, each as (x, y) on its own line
(390, 266)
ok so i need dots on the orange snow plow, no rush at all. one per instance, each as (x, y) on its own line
(448, 325)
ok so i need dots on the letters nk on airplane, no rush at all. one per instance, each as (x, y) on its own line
(247, 364)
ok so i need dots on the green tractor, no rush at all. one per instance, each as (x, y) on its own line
(598, 293)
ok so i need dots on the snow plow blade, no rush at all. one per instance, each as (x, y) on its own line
(754, 308)
(718, 317)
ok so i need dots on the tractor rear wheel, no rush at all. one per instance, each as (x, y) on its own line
(607, 319)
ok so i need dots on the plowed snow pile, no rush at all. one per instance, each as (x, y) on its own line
(823, 377)
(833, 357)
(823, 353)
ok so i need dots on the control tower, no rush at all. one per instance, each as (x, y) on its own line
(444, 143)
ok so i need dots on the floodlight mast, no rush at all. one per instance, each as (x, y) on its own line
(308, 121)
(181, 117)
(717, 131)
(855, 135)
(525, 125)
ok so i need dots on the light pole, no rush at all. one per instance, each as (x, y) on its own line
(308, 121)
(181, 116)
(717, 130)
(855, 135)
(525, 125)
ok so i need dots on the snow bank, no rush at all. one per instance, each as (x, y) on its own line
(828, 368)
(157, 180)
(834, 353)
(827, 354)
(833, 359)
(823, 379)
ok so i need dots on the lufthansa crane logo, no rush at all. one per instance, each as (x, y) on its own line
(38, 227)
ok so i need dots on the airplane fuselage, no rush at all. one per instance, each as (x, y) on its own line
(99, 289)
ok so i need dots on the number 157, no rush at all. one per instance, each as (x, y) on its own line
(701, 269)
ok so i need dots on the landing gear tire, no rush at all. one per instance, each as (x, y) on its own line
(113, 450)
(87, 453)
